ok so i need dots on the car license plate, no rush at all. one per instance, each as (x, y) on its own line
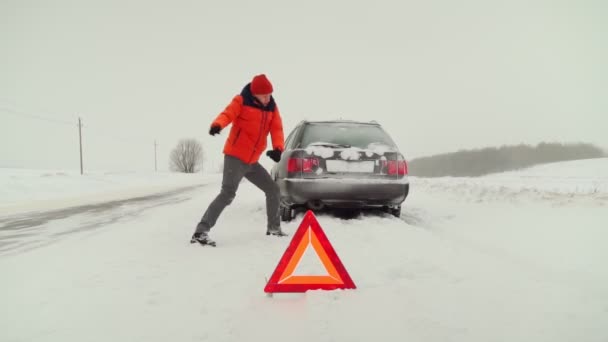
(349, 166)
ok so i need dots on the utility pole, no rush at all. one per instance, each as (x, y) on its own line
(80, 140)
(155, 169)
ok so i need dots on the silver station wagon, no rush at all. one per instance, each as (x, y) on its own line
(340, 164)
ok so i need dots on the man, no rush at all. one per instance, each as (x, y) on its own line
(254, 115)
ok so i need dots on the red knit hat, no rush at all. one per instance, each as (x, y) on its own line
(261, 85)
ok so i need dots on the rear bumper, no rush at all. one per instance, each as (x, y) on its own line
(344, 192)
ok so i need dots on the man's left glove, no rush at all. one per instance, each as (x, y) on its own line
(274, 155)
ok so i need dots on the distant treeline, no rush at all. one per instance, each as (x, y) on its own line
(478, 162)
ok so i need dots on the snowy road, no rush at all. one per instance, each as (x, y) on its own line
(28, 230)
(474, 269)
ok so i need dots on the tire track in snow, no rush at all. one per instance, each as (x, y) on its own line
(20, 233)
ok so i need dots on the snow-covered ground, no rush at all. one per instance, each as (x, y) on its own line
(513, 257)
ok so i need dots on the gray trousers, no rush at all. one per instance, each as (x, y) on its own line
(234, 171)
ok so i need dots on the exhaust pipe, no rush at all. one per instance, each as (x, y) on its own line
(315, 205)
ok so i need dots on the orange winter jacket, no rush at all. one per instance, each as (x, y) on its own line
(251, 124)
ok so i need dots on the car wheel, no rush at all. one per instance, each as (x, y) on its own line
(396, 211)
(287, 213)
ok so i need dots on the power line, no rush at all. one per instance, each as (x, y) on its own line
(99, 134)
(106, 133)
(80, 125)
(14, 112)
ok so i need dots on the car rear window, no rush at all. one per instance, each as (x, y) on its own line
(353, 135)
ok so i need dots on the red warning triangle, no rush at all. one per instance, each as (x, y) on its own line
(309, 234)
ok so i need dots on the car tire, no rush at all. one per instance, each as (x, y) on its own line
(287, 213)
(396, 211)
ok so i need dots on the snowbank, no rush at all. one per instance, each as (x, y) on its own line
(563, 182)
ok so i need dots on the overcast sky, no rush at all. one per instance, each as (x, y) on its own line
(438, 75)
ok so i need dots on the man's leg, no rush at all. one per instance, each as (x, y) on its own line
(234, 170)
(259, 177)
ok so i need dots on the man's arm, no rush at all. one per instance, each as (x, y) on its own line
(276, 131)
(230, 113)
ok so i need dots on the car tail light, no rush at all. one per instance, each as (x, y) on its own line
(305, 165)
(394, 167)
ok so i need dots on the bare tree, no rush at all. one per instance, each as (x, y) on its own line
(187, 156)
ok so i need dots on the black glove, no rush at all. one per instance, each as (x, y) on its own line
(215, 129)
(274, 154)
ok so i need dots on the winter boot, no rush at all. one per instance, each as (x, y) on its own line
(202, 238)
(275, 231)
